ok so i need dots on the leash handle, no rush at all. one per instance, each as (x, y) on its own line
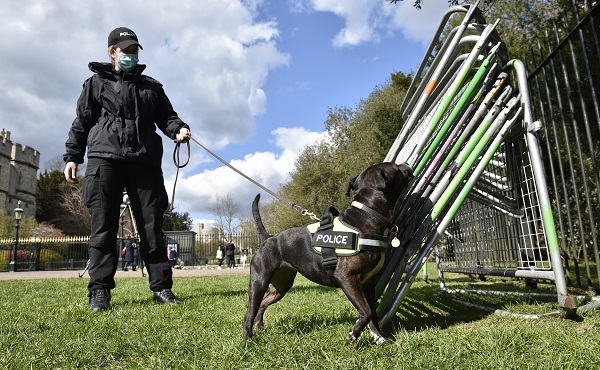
(176, 162)
(176, 155)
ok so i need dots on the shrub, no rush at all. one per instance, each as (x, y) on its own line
(49, 255)
(6, 257)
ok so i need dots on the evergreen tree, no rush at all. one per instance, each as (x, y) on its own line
(49, 184)
(175, 221)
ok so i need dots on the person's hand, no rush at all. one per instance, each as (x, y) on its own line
(183, 136)
(71, 172)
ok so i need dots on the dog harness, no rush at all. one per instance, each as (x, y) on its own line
(332, 238)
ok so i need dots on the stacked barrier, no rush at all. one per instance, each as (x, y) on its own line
(470, 139)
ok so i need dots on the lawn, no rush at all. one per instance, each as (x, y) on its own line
(47, 324)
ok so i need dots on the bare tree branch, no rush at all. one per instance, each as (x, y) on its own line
(74, 216)
(227, 212)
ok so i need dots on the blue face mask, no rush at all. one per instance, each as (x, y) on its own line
(127, 61)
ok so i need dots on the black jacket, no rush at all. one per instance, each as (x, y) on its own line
(117, 116)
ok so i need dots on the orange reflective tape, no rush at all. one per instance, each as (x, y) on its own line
(430, 87)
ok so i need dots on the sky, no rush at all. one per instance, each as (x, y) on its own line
(254, 79)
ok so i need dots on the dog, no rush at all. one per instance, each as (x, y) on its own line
(282, 256)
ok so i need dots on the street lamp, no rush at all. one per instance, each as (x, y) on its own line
(18, 215)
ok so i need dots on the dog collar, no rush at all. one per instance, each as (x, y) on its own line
(372, 212)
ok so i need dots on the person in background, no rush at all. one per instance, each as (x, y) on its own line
(230, 254)
(172, 257)
(243, 258)
(220, 251)
(128, 255)
(117, 116)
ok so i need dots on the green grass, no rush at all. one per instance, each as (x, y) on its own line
(47, 324)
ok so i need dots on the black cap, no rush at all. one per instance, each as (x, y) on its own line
(123, 37)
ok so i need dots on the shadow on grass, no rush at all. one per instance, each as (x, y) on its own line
(236, 291)
(294, 317)
(425, 308)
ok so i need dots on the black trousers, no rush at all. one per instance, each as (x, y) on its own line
(230, 260)
(104, 183)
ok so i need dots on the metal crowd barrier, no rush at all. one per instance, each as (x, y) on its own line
(479, 196)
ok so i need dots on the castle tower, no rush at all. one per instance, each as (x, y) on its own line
(18, 175)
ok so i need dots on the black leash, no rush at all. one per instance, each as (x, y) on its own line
(294, 206)
(176, 162)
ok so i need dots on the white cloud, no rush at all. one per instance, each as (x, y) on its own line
(365, 20)
(358, 17)
(212, 56)
(416, 24)
(294, 139)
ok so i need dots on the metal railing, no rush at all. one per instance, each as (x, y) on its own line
(71, 253)
(564, 73)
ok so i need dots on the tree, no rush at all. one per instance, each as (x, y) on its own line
(522, 22)
(8, 223)
(49, 184)
(57, 164)
(227, 212)
(357, 138)
(46, 230)
(418, 3)
(175, 221)
(61, 204)
(247, 224)
(74, 217)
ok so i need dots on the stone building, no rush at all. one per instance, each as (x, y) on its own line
(18, 175)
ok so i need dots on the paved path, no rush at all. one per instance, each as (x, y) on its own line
(203, 271)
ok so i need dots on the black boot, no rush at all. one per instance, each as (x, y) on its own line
(99, 299)
(165, 296)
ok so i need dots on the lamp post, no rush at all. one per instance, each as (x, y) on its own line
(18, 215)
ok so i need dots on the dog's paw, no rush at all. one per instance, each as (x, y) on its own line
(351, 339)
(379, 340)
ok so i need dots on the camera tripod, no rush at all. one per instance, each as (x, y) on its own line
(126, 206)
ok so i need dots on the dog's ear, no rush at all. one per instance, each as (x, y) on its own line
(350, 185)
(406, 170)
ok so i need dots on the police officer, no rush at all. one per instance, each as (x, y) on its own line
(118, 113)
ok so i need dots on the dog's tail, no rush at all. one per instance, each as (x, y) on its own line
(264, 235)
